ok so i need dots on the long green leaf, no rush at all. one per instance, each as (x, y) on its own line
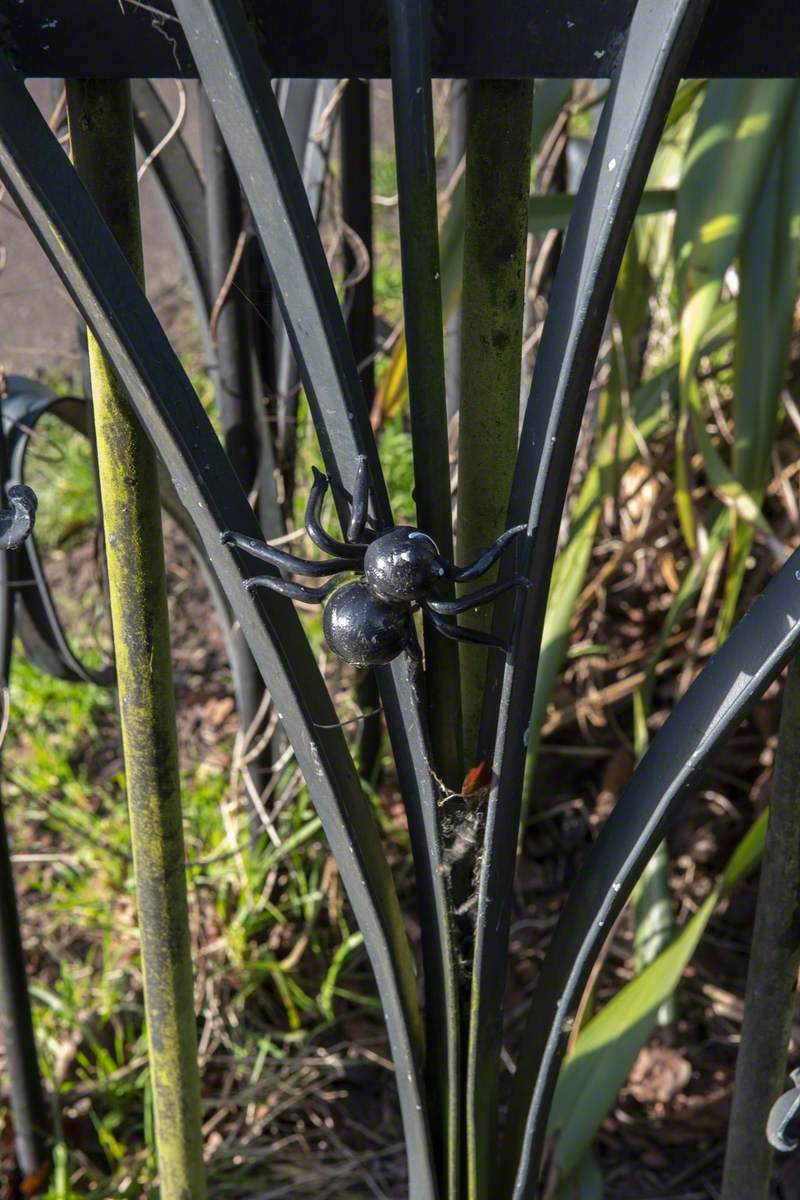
(737, 130)
(607, 1047)
(768, 268)
(569, 571)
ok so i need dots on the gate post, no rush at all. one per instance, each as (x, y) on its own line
(101, 132)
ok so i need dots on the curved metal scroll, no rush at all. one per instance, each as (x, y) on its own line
(246, 110)
(86, 257)
(659, 42)
(759, 647)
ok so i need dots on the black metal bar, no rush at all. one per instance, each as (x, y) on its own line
(410, 33)
(246, 110)
(347, 39)
(48, 193)
(232, 369)
(356, 140)
(654, 58)
(103, 151)
(753, 655)
(356, 132)
(234, 372)
(301, 103)
(456, 149)
(28, 1108)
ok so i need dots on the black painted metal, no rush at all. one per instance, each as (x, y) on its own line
(355, 127)
(356, 136)
(644, 47)
(16, 1022)
(410, 29)
(235, 78)
(659, 44)
(233, 368)
(302, 103)
(93, 269)
(753, 655)
(349, 38)
(37, 621)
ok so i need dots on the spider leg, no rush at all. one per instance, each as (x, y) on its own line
(313, 524)
(295, 591)
(360, 503)
(462, 633)
(481, 565)
(450, 608)
(286, 562)
(370, 531)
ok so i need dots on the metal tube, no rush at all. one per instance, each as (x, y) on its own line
(102, 147)
(356, 133)
(410, 26)
(772, 973)
(28, 1107)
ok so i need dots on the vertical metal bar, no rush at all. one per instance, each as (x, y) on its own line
(772, 970)
(16, 1028)
(495, 240)
(232, 370)
(357, 214)
(356, 135)
(102, 146)
(28, 1108)
(234, 373)
(657, 47)
(410, 27)
(88, 260)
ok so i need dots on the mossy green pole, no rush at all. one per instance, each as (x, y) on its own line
(495, 238)
(103, 151)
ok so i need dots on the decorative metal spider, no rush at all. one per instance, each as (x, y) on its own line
(368, 621)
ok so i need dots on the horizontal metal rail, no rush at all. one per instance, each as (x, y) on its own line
(346, 39)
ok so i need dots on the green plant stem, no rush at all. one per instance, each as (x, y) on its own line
(495, 238)
(102, 147)
(772, 974)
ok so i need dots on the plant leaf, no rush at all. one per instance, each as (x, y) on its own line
(608, 1045)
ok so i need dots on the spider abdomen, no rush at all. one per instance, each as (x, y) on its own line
(364, 629)
(402, 565)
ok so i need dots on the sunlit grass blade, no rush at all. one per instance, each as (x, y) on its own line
(544, 213)
(607, 1046)
(768, 267)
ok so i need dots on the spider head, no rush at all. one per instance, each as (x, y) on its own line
(363, 629)
(402, 565)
